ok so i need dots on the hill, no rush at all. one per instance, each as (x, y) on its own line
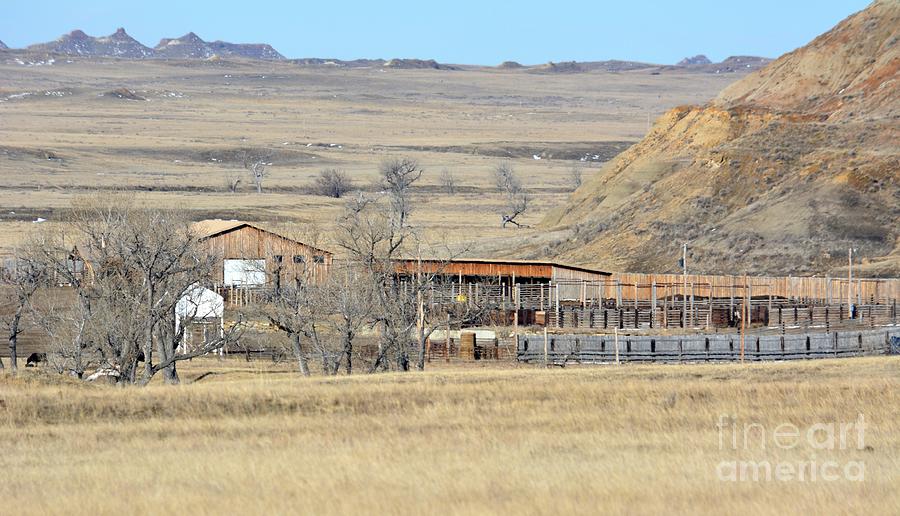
(698, 59)
(781, 173)
(120, 44)
(191, 46)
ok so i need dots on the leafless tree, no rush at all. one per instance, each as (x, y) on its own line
(506, 179)
(258, 174)
(574, 177)
(20, 279)
(397, 178)
(510, 186)
(516, 205)
(287, 308)
(332, 182)
(448, 181)
(233, 181)
(372, 234)
(255, 163)
(136, 264)
(347, 300)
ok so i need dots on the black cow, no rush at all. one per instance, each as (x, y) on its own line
(34, 359)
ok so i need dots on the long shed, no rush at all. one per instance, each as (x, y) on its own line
(507, 271)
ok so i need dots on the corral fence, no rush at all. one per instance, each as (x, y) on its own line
(776, 315)
(561, 349)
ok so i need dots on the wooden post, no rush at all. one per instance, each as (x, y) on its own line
(743, 320)
(653, 304)
(558, 314)
(546, 347)
(616, 333)
(684, 289)
(859, 292)
(693, 308)
(731, 300)
(447, 340)
(516, 317)
(850, 282)
(666, 308)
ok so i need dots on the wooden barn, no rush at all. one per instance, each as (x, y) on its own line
(252, 256)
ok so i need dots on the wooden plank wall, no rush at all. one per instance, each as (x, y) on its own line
(251, 243)
(833, 290)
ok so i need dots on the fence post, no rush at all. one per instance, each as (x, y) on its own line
(617, 345)
(558, 313)
(546, 347)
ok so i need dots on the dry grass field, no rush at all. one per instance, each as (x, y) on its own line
(254, 438)
(61, 134)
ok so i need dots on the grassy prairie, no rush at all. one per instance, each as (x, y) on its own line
(61, 135)
(254, 438)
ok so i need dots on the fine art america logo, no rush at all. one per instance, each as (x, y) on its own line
(820, 437)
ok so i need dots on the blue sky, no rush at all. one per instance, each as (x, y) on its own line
(461, 31)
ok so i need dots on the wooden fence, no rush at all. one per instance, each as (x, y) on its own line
(821, 289)
(562, 349)
(706, 316)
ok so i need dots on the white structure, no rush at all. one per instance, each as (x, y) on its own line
(244, 273)
(199, 306)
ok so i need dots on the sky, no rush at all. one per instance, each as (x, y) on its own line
(461, 31)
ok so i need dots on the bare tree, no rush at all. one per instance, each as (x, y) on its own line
(506, 179)
(233, 181)
(510, 186)
(19, 281)
(574, 177)
(448, 181)
(256, 163)
(287, 308)
(397, 177)
(332, 182)
(347, 299)
(133, 267)
(372, 234)
(258, 174)
(516, 205)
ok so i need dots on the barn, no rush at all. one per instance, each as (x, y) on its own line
(252, 256)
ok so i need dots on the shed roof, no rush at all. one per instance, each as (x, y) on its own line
(505, 262)
(214, 227)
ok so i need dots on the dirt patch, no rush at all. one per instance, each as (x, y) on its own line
(123, 94)
(239, 156)
(576, 151)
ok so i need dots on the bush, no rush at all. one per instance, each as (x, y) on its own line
(332, 182)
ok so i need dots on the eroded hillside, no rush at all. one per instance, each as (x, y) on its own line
(781, 173)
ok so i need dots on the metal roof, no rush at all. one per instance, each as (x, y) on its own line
(513, 262)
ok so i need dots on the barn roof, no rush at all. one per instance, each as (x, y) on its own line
(214, 227)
